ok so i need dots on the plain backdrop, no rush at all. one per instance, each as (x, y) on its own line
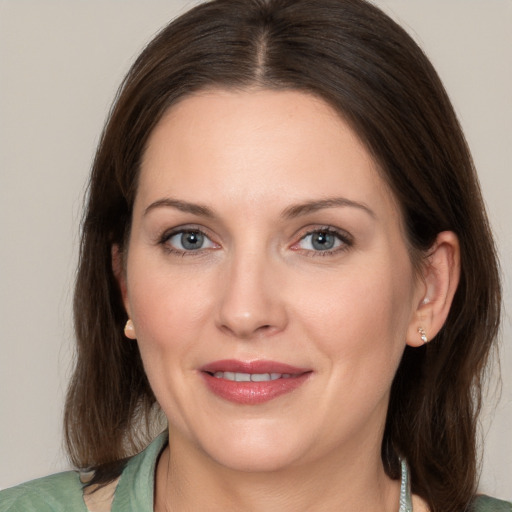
(60, 65)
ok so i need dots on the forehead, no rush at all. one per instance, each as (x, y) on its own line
(257, 144)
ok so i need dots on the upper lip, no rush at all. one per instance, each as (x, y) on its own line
(259, 366)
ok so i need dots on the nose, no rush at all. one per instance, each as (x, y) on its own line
(252, 301)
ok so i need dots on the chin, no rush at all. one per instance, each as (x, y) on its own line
(257, 452)
(261, 461)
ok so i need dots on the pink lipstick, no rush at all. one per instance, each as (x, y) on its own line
(252, 383)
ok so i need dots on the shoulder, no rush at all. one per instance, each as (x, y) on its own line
(64, 492)
(55, 493)
(487, 504)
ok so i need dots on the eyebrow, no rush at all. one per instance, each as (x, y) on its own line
(291, 212)
(313, 206)
(183, 206)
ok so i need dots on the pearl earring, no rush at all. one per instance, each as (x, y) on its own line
(129, 329)
(423, 335)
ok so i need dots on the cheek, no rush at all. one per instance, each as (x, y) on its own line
(360, 317)
(168, 311)
(168, 308)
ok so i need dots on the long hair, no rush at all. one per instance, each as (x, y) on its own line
(365, 66)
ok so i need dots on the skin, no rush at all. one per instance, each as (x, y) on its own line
(259, 289)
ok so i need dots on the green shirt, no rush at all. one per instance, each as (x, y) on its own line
(63, 492)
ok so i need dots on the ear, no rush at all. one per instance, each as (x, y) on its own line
(120, 274)
(441, 273)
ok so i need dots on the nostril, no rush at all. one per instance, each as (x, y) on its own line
(266, 327)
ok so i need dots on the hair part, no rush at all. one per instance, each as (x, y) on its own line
(364, 65)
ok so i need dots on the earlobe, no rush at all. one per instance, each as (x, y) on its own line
(423, 335)
(440, 280)
(129, 330)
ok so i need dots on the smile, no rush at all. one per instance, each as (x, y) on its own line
(251, 377)
(252, 383)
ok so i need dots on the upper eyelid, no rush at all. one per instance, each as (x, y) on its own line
(343, 235)
(346, 239)
(168, 233)
(164, 241)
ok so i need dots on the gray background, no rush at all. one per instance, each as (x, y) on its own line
(60, 65)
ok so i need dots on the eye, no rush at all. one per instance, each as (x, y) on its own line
(324, 240)
(188, 240)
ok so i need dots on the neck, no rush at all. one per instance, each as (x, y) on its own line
(187, 480)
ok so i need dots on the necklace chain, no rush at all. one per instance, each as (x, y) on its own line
(405, 489)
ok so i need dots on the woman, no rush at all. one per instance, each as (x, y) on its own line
(285, 251)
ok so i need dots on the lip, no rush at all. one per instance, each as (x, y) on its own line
(252, 393)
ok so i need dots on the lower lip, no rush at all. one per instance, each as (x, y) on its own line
(253, 393)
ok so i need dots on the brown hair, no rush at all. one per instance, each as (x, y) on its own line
(364, 65)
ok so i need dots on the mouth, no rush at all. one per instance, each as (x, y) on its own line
(252, 377)
(252, 383)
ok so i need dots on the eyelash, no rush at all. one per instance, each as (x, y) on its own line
(164, 241)
(342, 236)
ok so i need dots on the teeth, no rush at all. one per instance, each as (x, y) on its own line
(260, 377)
(250, 377)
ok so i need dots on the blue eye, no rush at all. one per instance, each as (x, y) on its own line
(189, 240)
(323, 240)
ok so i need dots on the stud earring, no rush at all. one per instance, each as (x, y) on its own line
(423, 335)
(129, 329)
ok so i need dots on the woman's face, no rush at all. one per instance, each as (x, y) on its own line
(268, 280)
